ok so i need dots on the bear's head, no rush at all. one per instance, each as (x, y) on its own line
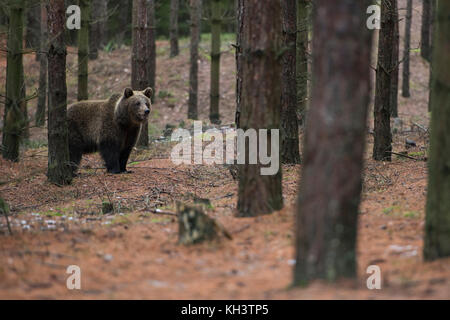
(134, 106)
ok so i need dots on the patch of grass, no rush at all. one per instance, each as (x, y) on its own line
(34, 144)
(419, 154)
(397, 211)
(411, 214)
(162, 94)
(392, 211)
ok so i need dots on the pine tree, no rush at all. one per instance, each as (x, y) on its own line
(437, 224)
(195, 8)
(59, 169)
(290, 152)
(260, 44)
(83, 51)
(216, 29)
(331, 183)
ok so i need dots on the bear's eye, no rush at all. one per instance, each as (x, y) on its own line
(137, 104)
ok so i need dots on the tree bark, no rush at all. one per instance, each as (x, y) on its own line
(425, 44)
(433, 15)
(143, 141)
(33, 26)
(59, 169)
(174, 47)
(216, 29)
(97, 27)
(43, 65)
(383, 92)
(14, 117)
(140, 56)
(260, 101)
(327, 216)
(195, 8)
(437, 223)
(239, 32)
(290, 152)
(83, 51)
(302, 59)
(407, 48)
(395, 62)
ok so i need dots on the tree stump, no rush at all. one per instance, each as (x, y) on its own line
(196, 227)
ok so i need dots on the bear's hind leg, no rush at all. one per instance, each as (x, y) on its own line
(75, 156)
(110, 153)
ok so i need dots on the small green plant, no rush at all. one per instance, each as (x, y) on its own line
(162, 94)
(411, 214)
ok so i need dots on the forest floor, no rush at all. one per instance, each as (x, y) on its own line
(134, 253)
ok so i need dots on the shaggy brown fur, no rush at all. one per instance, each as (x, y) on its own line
(110, 126)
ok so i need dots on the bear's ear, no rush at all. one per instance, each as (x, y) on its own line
(148, 92)
(128, 93)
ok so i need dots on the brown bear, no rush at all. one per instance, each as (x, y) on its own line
(110, 126)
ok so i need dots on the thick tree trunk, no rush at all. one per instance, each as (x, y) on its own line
(437, 225)
(302, 59)
(143, 141)
(195, 8)
(334, 145)
(260, 101)
(383, 93)
(83, 51)
(43, 65)
(407, 48)
(97, 27)
(174, 47)
(14, 117)
(59, 169)
(290, 152)
(425, 44)
(395, 62)
(140, 56)
(216, 29)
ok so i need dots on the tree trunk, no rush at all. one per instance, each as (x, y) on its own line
(239, 32)
(425, 44)
(14, 117)
(395, 62)
(83, 51)
(437, 224)
(33, 26)
(290, 152)
(140, 56)
(143, 141)
(302, 59)
(59, 169)
(196, 13)
(260, 101)
(97, 27)
(327, 217)
(43, 65)
(152, 45)
(3, 17)
(174, 47)
(216, 29)
(430, 91)
(383, 93)
(407, 48)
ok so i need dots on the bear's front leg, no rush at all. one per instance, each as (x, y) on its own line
(110, 152)
(124, 156)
